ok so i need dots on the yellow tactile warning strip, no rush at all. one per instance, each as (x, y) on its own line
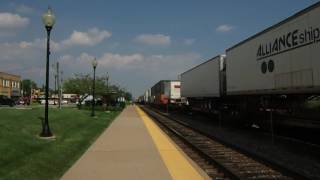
(177, 164)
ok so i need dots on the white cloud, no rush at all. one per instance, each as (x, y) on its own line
(224, 28)
(90, 38)
(157, 63)
(121, 61)
(23, 9)
(189, 41)
(7, 34)
(13, 67)
(16, 51)
(37, 43)
(127, 68)
(172, 64)
(153, 39)
(34, 71)
(111, 60)
(9, 20)
(84, 59)
(22, 58)
(66, 59)
(30, 55)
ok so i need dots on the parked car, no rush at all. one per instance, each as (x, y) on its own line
(64, 101)
(21, 101)
(4, 100)
(50, 101)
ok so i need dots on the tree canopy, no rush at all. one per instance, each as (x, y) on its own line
(81, 84)
(27, 85)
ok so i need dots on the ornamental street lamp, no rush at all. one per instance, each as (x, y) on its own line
(48, 20)
(94, 65)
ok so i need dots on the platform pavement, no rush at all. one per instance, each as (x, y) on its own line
(133, 147)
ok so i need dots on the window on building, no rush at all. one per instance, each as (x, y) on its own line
(3, 83)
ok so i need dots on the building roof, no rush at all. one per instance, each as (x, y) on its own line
(7, 74)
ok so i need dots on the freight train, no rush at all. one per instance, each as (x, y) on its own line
(164, 92)
(277, 69)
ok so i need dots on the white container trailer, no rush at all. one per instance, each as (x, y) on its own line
(175, 91)
(147, 96)
(166, 91)
(203, 80)
(283, 59)
(172, 90)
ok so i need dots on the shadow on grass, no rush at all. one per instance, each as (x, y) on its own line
(42, 120)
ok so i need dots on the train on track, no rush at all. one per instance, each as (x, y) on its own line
(275, 70)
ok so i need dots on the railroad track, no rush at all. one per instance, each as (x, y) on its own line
(232, 163)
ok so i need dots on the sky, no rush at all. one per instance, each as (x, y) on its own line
(136, 42)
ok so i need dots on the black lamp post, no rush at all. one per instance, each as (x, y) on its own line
(48, 20)
(94, 65)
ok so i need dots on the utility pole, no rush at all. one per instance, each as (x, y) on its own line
(55, 84)
(60, 90)
(58, 83)
(55, 89)
(107, 81)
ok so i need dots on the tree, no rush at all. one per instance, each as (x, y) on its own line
(128, 96)
(27, 85)
(81, 84)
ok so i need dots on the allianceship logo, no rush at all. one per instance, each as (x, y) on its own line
(287, 42)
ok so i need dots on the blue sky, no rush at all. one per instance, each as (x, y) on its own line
(137, 42)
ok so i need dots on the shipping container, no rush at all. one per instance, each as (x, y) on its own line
(147, 96)
(203, 80)
(175, 91)
(283, 59)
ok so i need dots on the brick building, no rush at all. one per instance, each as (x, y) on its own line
(10, 85)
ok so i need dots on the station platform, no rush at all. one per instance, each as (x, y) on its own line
(134, 147)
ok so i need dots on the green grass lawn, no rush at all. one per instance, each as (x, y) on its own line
(24, 156)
